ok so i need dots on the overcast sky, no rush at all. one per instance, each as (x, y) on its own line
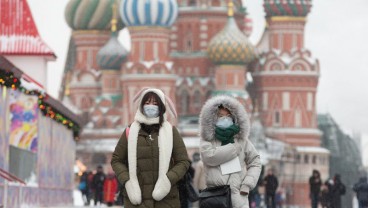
(336, 34)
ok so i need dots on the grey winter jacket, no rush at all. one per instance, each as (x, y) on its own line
(213, 154)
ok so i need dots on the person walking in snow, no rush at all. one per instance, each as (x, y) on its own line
(150, 157)
(361, 189)
(271, 183)
(110, 188)
(315, 184)
(98, 183)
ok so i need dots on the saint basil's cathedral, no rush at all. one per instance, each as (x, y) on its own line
(192, 50)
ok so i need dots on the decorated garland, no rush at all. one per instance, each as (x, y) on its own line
(8, 79)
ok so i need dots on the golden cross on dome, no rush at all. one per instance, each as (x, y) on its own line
(114, 20)
(230, 11)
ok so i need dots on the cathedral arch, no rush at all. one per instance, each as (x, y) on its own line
(300, 65)
(274, 65)
(86, 77)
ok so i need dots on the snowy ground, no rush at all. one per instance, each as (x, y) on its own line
(78, 202)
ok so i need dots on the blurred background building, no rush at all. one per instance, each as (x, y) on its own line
(37, 132)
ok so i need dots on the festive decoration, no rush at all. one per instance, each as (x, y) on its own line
(8, 79)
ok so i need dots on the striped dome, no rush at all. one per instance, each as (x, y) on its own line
(112, 54)
(231, 46)
(149, 12)
(297, 8)
(90, 14)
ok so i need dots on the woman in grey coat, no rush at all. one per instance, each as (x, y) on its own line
(224, 130)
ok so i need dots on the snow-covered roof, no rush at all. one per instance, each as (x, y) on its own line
(294, 131)
(312, 150)
(100, 145)
(18, 31)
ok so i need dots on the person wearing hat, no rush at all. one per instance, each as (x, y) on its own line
(150, 157)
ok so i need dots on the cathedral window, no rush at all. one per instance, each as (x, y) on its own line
(314, 159)
(306, 159)
(184, 102)
(298, 157)
(265, 101)
(141, 51)
(286, 101)
(309, 101)
(188, 43)
(197, 100)
(298, 118)
(155, 51)
(277, 118)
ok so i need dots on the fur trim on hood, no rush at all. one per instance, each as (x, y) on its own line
(208, 116)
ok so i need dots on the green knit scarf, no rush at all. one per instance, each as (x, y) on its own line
(226, 135)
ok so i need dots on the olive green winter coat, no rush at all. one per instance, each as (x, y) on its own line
(148, 168)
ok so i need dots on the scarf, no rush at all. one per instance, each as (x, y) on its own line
(226, 135)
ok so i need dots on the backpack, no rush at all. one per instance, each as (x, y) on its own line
(82, 185)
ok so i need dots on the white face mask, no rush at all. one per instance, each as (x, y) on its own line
(224, 122)
(151, 111)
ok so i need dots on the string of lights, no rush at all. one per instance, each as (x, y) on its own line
(8, 80)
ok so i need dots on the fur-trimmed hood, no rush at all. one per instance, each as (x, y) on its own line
(208, 116)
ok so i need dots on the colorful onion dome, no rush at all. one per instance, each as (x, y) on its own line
(90, 14)
(161, 13)
(297, 8)
(231, 46)
(112, 54)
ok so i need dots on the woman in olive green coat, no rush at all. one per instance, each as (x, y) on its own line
(150, 157)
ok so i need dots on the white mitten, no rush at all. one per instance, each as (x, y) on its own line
(162, 188)
(134, 192)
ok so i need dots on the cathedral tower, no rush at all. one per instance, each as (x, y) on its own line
(148, 64)
(286, 75)
(231, 52)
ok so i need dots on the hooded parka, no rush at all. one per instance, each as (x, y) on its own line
(213, 154)
(150, 165)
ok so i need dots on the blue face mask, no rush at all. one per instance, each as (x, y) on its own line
(151, 111)
(224, 122)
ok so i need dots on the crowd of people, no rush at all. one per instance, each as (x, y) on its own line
(329, 193)
(150, 161)
(99, 187)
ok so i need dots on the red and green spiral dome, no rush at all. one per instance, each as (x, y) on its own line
(296, 8)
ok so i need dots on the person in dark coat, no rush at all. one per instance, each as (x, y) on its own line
(98, 184)
(325, 198)
(336, 191)
(271, 183)
(150, 157)
(361, 189)
(183, 195)
(91, 191)
(315, 183)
